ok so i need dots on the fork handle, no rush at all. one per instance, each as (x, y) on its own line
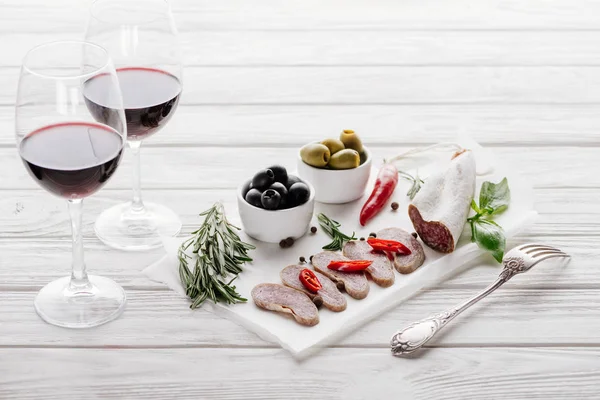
(417, 334)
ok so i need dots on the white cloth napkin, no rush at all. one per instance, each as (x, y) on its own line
(269, 260)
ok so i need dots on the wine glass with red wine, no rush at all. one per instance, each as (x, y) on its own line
(141, 38)
(71, 154)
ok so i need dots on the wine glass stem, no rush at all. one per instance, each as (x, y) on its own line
(79, 277)
(137, 205)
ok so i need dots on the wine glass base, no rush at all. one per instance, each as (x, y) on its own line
(122, 228)
(95, 304)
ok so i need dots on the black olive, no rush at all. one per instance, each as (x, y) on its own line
(263, 179)
(299, 193)
(246, 188)
(280, 188)
(254, 197)
(291, 180)
(270, 199)
(280, 173)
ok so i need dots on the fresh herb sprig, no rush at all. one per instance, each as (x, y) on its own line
(493, 200)
(218, 254)
(332, 228)
(415, 181)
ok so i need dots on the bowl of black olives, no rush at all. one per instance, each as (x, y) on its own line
(275, 205)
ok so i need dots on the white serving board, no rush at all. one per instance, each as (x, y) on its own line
(270, 259)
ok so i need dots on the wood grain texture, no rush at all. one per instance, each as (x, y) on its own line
(69, 15)
(376, 85)
(524, 317)
(228, 167)
(35, 214)
(448, 374)
(294, 125)
(351, 47)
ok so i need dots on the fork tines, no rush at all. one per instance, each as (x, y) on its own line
(539, 250)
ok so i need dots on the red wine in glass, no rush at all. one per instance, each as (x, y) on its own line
(74, 159)
(150, 97)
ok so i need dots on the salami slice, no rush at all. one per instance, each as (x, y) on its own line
(333, 299)
(405, 264)
(439, 210)
(381, 271)
(355, 283)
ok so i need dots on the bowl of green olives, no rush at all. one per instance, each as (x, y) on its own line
(275, 205)
(338, 169)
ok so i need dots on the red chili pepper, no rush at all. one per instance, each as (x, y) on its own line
(349, 266)
(386, 182)
(310, 280)
(388, 246)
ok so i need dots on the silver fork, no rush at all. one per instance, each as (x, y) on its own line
(519, 259)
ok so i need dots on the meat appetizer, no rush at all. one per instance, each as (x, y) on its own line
(354, 283)
(381, 270)
(404, 263)
(283, 299)
(331, 297)
(439, 210)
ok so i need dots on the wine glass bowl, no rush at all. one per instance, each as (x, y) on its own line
(141, 37)
(72, 155)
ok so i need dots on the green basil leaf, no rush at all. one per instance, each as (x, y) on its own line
(474, 207)
(494, 198)
(489, 236)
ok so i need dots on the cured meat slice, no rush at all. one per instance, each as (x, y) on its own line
(333, 299)
(439, 210)
(355, 283)
(405, 264)
(381, 270)
(271, 296)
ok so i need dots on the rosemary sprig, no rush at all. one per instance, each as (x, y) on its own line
(416, 183)
(331, 227)
(218, 253)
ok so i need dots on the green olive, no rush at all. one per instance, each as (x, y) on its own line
(315, 154)
(351, 140)
(345, 159)
(333, 145)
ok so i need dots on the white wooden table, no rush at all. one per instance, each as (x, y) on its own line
(262, 77)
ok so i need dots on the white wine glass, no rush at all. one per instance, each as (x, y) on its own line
(141, 37)
(72, 155)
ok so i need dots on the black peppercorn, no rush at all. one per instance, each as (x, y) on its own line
(313, 229)
(283, 244)
(414, 234)
(395, 206)
(362, 239)
(373, 234)
(310, 259)
(302, 260)
(289, 242)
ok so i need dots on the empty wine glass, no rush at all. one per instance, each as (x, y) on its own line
(72, 155)
(141, 38)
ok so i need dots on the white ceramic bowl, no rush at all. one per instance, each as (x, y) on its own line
(337, 186)
(274, 225)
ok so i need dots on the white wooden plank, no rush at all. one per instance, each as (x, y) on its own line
(229, 167)
(35, 214)
(294, 125)
(332, 14)
(28, 264)
(449, 374)
(163, 319)
(356, 48)
(376, 85)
